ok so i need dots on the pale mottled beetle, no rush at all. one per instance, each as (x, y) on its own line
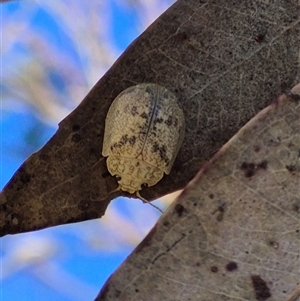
(144, 130)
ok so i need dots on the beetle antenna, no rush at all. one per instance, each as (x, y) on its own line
(148, 202)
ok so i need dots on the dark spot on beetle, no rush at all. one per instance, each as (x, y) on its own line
(132, 140)
(261, 289)
(198, 264)
(211, 196)
(158, 120)
(161, 150)
(260, 37)
(144, 115)
(76, 138)
(251, 168)
(136, 290)
(134, 110)
(169, 121)
(214, 269)
(231, 266)
(176, 123)
(75, 127)
(84, 204)
(179, 209)
(124, 139)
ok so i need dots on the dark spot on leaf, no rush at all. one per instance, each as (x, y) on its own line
(181, 37)
(274, 244)
(179, 209)
(293, 96)
(25, 177)
(14, 219)
(256, 148)
(296, 208)
(220, 217)
(260, 37)
(220, 210)
(75, 127)
(231, 266)
(44, 157)
(71, 220)
(166, 223)
(84, 204)
(261, 289)
(214, 269)
(76, 138)
(263, 164)
(93, 151)
(251, 168)
(291, 168)
(3, 207)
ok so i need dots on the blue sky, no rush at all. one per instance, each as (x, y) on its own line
(69, 262)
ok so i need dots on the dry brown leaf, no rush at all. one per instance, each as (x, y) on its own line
(233, 234)
(224, 60)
